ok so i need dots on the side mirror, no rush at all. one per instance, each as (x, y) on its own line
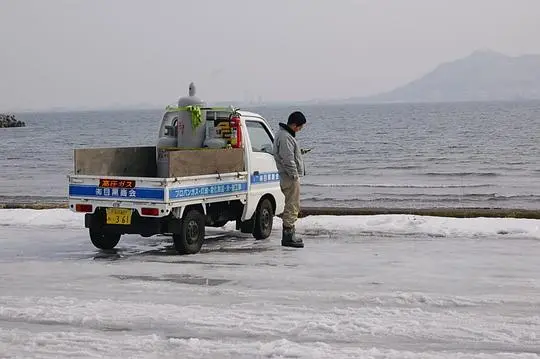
(171, 131)
(268, 148)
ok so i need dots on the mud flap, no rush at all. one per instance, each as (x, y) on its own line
(246, 226)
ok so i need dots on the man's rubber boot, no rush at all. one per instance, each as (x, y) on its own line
(289, 239)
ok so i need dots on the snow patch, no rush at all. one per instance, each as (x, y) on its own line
(427, 226)
(327, 226)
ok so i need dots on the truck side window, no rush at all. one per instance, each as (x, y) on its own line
(261, 141)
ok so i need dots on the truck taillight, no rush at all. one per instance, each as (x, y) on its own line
(150, 211)
(79, 207)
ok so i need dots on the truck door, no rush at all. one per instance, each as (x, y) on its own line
(264, 178)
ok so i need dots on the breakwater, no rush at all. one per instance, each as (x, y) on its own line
(340, 211)
(10, 121)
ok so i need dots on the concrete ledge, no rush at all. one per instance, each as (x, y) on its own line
(341, 211)
(437, 212)
(40, 205)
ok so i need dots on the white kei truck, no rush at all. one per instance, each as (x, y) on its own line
(211, 166)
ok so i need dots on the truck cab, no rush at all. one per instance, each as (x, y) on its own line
(223, 170)
(264, 177)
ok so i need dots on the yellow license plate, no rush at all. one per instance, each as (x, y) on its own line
(118, 216)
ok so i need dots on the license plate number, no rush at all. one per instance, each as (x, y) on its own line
(118, 216)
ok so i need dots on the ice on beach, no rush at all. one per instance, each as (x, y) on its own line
(329, 226)
(385, 286)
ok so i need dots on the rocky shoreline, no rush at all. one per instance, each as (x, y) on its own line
(10, 121)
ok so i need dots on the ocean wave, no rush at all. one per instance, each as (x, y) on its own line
(404, 167)
(462, 174)
(367, 185)
(422, 200)
(500, 197)
(394, 200)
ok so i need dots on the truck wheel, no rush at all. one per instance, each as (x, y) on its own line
(191, 236)
(264, 218)
(104, 240)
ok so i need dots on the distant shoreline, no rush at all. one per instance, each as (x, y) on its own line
(314, 103)
(464, 212)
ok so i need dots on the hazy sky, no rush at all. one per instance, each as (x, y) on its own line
(98, 53)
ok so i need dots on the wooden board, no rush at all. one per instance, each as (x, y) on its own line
(205, 161)
(116, 161)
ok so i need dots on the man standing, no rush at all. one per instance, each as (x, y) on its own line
(290, 166)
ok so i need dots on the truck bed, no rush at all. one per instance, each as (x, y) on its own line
(126, 178)
(141, 161)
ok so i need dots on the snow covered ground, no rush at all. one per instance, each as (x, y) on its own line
(389, 286)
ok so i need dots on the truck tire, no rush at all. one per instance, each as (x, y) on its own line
(104, 240)
(264, 218)
(191, 236)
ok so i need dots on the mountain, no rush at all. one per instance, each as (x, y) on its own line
(481, 76)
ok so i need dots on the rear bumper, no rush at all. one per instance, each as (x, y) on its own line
(164, 209)
(145, 226)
